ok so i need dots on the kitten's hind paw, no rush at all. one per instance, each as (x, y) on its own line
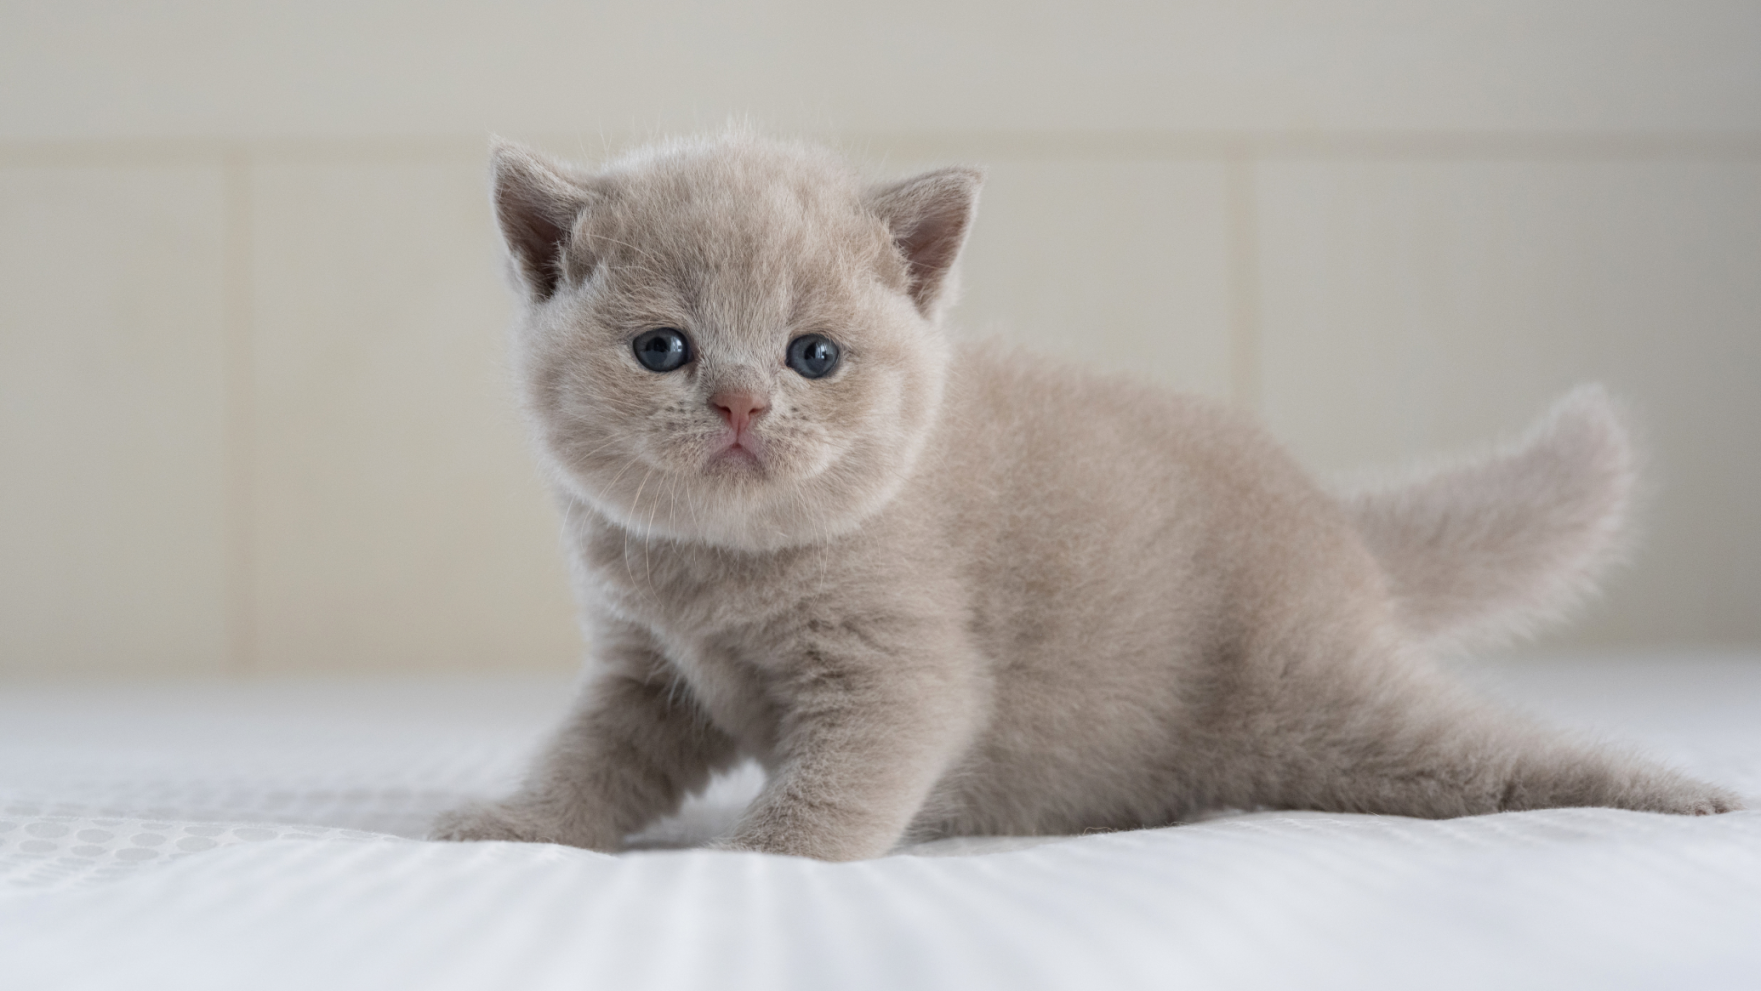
(1601, 780)
(1687, 797)
(1716, 803)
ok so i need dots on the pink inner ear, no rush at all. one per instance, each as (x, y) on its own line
(929, 215)
(930, 249)
(535, 238)
(537, 206)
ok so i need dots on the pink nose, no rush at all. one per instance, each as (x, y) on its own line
(738, 408)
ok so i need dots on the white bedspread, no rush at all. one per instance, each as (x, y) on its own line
(263, 837)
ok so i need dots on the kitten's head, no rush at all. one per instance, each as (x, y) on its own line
(733, 341)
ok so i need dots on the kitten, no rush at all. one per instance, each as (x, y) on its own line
(940, 587)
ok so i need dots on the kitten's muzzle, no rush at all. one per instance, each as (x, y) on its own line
(739, 408)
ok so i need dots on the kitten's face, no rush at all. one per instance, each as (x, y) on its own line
(735, 348)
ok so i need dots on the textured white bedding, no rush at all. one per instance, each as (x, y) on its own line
(262, 836)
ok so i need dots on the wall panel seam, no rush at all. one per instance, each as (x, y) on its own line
(1243, 268)
(240, 435)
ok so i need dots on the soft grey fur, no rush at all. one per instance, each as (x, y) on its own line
(952, 588)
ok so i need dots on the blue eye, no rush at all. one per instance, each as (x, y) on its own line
(662, 349)
(813, 356)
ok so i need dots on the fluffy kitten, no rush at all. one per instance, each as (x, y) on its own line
(940, 587)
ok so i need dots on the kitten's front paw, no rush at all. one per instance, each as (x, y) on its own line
(511, 822)
(833, 845)
(481, 821)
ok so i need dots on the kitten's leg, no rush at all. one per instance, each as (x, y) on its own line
(1412, 743)
(1480, 771)
(633, 746)
(862, 747)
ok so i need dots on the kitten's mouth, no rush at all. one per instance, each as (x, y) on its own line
(739, 453)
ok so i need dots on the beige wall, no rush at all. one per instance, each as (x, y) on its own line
(252, 409)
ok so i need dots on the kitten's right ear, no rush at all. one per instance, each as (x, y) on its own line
(537, 203)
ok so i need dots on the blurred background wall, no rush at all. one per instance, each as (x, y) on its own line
(253, 413)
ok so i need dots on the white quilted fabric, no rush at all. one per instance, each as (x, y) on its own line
(264, 837)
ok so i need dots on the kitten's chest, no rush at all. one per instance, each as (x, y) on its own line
(713, 619)
(688, 593)
(732, 692)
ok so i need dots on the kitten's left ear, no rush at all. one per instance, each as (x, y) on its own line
(929, 216)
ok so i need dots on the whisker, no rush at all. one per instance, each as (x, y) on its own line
(635, 507)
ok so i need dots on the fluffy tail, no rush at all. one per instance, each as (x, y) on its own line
(1492, 547)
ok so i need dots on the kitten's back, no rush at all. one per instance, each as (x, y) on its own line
(1467, 550)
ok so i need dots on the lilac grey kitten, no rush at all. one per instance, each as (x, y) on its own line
(941, 587)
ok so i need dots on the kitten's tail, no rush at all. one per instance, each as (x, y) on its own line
(1492, 547)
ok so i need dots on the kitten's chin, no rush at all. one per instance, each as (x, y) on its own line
(736, 461)
(735, 504)
(758, 497)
